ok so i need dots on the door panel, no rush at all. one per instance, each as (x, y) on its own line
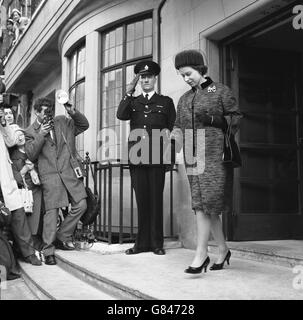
(268, 204)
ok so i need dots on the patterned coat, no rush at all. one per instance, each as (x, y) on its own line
(210, 180)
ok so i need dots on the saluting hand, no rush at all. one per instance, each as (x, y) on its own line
(133, 84)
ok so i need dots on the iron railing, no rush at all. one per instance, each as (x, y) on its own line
(104, 227)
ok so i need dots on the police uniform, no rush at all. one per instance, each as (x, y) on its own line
(148, 175)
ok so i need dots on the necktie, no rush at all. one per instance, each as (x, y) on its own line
(146, 96)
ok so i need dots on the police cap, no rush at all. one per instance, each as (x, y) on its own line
(147, 67)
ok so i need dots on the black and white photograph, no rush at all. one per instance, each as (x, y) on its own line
(151, 153)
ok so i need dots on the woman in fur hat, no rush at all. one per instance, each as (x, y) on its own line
(203, 114)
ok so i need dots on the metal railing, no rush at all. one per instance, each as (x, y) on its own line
(104, 228)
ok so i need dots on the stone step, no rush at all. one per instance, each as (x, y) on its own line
(287, 253)
(87, 266)
(152, 277)
(54, 283)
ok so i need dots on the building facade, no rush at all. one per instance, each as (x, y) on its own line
(89, 48)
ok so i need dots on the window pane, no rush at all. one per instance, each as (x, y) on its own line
(119, 36)
(138, 47)
(147, 46)
(112, 56)
(119, 52)
(139, 30)
(130, 32)
(105, 58)
(148, 27)
(112, 39)
(73, 62)
(130, 50)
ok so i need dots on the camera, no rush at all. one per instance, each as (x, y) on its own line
(48, 118)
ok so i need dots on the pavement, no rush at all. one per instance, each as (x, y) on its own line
(267, 271)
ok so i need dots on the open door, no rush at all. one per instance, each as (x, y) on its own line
(268, 187)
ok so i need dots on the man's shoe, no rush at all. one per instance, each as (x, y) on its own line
(133, 250)
(13, 276)
(50, 260)
(68, 246)
(33, 260)
(159, 251)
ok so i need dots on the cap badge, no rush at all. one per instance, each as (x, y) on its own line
(146, 67)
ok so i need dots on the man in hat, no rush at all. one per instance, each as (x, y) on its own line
(20, 23)
(151, 115)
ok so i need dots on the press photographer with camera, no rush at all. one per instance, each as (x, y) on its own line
(51, 141)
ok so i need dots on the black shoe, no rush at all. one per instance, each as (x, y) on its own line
(133, 250)
(13, 276)
(195, 270)
(159, 251)
(219, 266)
(68, 246)
(50, 260)
(33, 260)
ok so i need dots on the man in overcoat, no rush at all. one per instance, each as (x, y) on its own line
(51, 146)
(149, 114)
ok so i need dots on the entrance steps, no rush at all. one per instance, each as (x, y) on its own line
(286, 253)
(105, 273)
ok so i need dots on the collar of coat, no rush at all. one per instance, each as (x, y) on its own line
(205, 84)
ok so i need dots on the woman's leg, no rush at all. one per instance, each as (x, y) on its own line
(217, 232)
(203, 232)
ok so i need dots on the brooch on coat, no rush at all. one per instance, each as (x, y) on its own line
(212, 89)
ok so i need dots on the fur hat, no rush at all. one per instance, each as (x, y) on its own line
(189, 58)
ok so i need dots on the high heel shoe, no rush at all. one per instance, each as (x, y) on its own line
(195, 270)
(219, 266)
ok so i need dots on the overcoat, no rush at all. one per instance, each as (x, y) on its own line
(11, 193)
(210, 179)
(57, 176)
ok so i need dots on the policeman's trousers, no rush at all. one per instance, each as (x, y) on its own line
(148, 183)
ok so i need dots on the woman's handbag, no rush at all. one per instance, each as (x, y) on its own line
(27, 198)
(93, 203)
(231, 152)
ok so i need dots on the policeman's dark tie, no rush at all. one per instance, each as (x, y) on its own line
(146, 96)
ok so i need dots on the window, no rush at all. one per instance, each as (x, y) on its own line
(122, 48)
(77, 87)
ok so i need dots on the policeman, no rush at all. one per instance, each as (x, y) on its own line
(150, 115)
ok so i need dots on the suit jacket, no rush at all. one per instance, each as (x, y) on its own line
(148, 118)
(58, 179)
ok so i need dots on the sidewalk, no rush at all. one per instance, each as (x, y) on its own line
(148, 276)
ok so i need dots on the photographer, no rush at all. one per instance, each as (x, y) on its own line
(50, 141)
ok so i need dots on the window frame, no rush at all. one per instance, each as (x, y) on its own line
(123, 65)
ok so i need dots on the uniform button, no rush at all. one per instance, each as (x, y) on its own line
(145, 116)
(146, 107)
(144, 127)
